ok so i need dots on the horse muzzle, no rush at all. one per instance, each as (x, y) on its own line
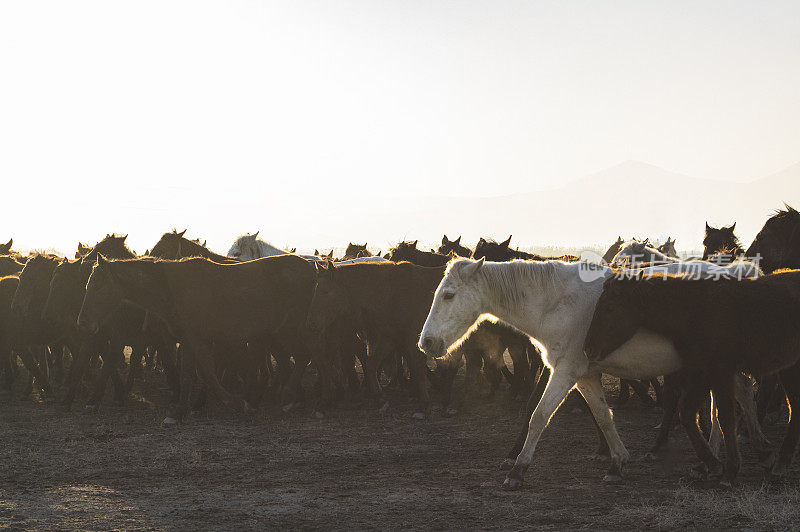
(431, 346)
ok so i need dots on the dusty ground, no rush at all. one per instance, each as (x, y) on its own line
(357, 468)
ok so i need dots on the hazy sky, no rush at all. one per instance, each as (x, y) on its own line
(228, 117)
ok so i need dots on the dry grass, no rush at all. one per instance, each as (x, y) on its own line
(767, 506)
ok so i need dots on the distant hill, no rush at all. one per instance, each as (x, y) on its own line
(630, 199)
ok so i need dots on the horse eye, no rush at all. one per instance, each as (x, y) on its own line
(448, 295)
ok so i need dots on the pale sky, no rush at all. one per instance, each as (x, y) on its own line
(229, 117)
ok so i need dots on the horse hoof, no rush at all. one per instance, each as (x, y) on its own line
(418, 415)
(450, 412)
(507, 464)
(287, 407)
(384, 407)
(90, 408)
(610, 478)
(169, 422)
(319, 415)
(246, 406)
(726, 484)
(512, 484)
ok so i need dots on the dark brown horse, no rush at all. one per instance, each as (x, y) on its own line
(453, 246)
(31, 333)
(64, 300)
(407, 251)
(778, 242)
(501, 252)
(721, 241)
(174, 246)
(207, 305)
(387, 304)
(719, 328)
(355, 251)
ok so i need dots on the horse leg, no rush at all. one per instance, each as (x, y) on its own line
(80, 362)
(373, 359)
(204, 360)
(186, 373)
(519, 356)
(624, 392)
(658, 389)
(745, 396)
(530, 406)
(696, 392)
(592, 390)
(112, 359)
(767, 386)
(419, 374)
(29, 360)
(138, 353)
(722, 387)
(642, 389)
(294, 389)
(561, 381)
(671, 394)
(790, 378)
(167, 356)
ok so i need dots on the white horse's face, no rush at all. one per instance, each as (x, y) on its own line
(245, 248)
(457, 305)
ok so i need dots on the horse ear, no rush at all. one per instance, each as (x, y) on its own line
(330, 255)
(182, 233)
(707, 227)
(123, 238)
(415, 242)
(457, 241)
(146, 252)
(9, 243)
(444, 240)
(470, 269)
(732, 227)
(255, 235)
(101, 260)
(646, 241)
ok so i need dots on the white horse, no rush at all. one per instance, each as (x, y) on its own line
(634, 251)
(250, 247)
(552, 302)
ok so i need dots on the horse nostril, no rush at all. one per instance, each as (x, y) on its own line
(427, 343)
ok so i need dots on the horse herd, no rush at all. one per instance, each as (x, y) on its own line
(247, 326)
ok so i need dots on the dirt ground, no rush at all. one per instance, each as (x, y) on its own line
(356, 468)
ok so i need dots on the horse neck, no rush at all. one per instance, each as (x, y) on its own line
(138, 288)
(555, 284)
(268, 250)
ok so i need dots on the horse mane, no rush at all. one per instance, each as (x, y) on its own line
(508, 282)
